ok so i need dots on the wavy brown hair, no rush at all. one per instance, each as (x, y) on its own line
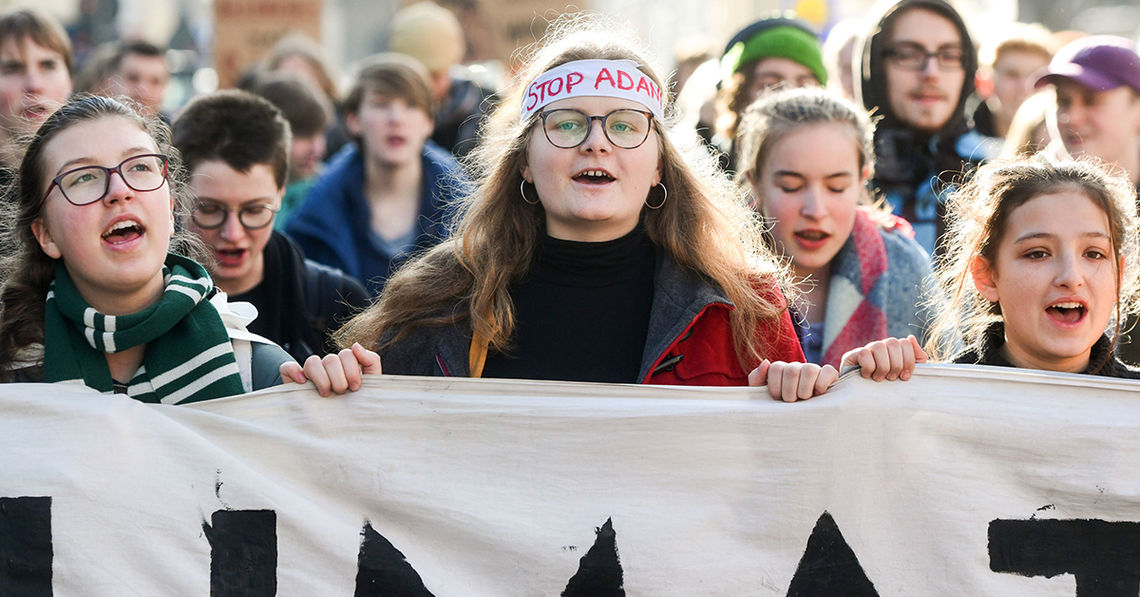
(705, 225)
(977, 216)
(25, 269)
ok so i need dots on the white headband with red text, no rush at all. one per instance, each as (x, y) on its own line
(594, 78)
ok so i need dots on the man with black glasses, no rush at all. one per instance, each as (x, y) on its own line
(917, 72)
(236, 147)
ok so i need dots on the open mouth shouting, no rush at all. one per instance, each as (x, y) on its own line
(593, 176)
(1067, 312)
(811, 239)
(123, 232)
(230, 257)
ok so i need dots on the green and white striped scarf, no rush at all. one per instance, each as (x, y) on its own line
(188, 352)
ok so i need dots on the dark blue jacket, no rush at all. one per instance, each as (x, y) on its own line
(333, 225)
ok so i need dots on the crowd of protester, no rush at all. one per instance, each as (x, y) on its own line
(893, 193)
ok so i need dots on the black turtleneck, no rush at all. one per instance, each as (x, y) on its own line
(582, 312)
(1102, 359)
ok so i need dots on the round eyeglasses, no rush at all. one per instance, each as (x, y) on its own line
(88, 184)
(568, 128)
(211, 214)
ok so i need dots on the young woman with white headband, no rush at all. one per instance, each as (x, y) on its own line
(590, 249)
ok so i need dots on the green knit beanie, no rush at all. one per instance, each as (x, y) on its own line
(784, 41)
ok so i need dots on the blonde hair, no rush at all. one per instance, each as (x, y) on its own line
(705, 225)
(1019, 37)
(773, 116)
(429, 33)
(1030, 115)
(977, 216)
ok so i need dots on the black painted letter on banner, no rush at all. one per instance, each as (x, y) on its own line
(1103, 556)
(599, 571)
(829, 566)
(243, 553)
(383, 571)
(25, 547)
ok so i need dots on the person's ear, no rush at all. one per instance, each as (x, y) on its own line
(985, 279)
(525, 171)
(44, 238)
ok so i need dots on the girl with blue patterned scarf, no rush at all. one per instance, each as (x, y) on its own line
(807, 154)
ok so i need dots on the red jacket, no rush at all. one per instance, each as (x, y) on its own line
(689, 340)
(704, 353)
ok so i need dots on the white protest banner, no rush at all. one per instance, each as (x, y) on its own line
(962, 481)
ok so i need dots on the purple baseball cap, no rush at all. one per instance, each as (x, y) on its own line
(1099, 62)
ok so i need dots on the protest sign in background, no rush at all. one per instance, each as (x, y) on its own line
(245, 31)
(963, 481)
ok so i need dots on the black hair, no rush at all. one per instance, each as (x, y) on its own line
(236, 127)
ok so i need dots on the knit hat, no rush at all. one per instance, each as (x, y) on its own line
(778, 37)
(429, 33)
(1098, 62)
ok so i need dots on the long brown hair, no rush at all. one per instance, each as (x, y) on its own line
(977, 216)
(705, 225)
(25, 269)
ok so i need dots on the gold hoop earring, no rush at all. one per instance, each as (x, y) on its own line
(664, 198)
(522, 191)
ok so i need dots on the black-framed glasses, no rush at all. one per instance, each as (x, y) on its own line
(87, 184)
(911, 56)
(568, 128)
(212, 214)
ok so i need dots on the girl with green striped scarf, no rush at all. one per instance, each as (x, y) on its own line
(100, 287)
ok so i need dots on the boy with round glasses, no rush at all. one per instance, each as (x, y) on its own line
(236, 146)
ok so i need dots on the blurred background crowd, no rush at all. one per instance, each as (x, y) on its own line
(209, 43)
